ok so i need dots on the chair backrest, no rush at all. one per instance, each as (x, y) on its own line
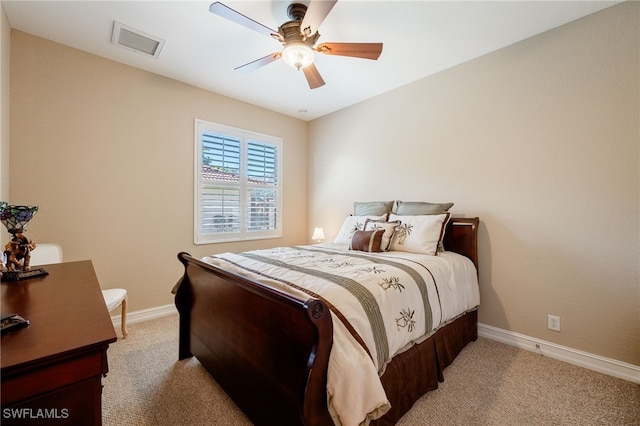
(45, 254)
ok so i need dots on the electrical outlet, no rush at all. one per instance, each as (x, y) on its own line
(554, 323)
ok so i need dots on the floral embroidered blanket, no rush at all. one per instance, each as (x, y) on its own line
(381, 304)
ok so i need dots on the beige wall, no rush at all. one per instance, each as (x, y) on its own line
(541, 141)
(106, 152)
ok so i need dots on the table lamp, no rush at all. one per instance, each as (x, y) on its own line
(318, 235)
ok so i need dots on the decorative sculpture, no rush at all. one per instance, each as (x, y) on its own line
(17, 252)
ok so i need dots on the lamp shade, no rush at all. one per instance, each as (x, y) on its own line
(16, 218)
(318, 234)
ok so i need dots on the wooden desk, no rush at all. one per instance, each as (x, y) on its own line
(52, 370)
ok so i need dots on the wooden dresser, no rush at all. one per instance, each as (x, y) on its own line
(51, 370)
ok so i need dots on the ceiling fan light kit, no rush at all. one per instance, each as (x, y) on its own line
(298, 55)
(298, 37)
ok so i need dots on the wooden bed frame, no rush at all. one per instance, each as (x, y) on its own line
(270, 351)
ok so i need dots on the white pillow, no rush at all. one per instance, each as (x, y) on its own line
(352, 224)
(389, 230)
(419, 234)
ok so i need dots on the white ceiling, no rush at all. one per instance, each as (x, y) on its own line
(420, 38)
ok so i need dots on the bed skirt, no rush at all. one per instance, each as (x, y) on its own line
(418, 370)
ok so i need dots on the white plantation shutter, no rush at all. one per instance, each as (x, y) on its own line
(219, 184)
(238, 191)
(262, 175)
(262, 212)
(222, 153)
(220, 210)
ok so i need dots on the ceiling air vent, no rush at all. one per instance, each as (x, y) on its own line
(136, 40)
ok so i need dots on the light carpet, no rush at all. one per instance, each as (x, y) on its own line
(488, 384)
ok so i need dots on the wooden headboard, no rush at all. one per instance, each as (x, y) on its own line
(461, 236)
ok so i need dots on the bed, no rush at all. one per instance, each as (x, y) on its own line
(270, 347)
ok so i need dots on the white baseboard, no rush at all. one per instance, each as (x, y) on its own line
(611, 367)
(145, 315)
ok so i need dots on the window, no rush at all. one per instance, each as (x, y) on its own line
(238, 192)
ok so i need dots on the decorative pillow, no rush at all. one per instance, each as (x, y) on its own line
(352, 224)
(407, 208)
(367, 240)
(420, 233)
(388, 227)
(377, 208)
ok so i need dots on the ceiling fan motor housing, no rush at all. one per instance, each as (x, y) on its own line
(296, 11)
(290, 31)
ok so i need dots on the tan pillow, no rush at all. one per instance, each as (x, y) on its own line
(370, 241)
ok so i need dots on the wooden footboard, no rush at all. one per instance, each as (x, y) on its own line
(268, 350)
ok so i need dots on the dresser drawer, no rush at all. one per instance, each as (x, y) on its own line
(55, 374)
(76, 404)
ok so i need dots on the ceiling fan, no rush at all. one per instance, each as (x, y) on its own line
(298, 37)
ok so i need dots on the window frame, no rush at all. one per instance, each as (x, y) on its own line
(244, 185)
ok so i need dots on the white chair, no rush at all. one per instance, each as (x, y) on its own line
(114, 297)
(47, 253)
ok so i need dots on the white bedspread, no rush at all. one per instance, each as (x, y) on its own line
(392, 300)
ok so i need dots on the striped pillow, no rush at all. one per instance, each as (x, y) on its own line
(370, 241)
(388, 227)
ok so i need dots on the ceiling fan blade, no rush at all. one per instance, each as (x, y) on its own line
(220, 9)
(254, 65)
(357, 50)
(313, 76)
(317, 11)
